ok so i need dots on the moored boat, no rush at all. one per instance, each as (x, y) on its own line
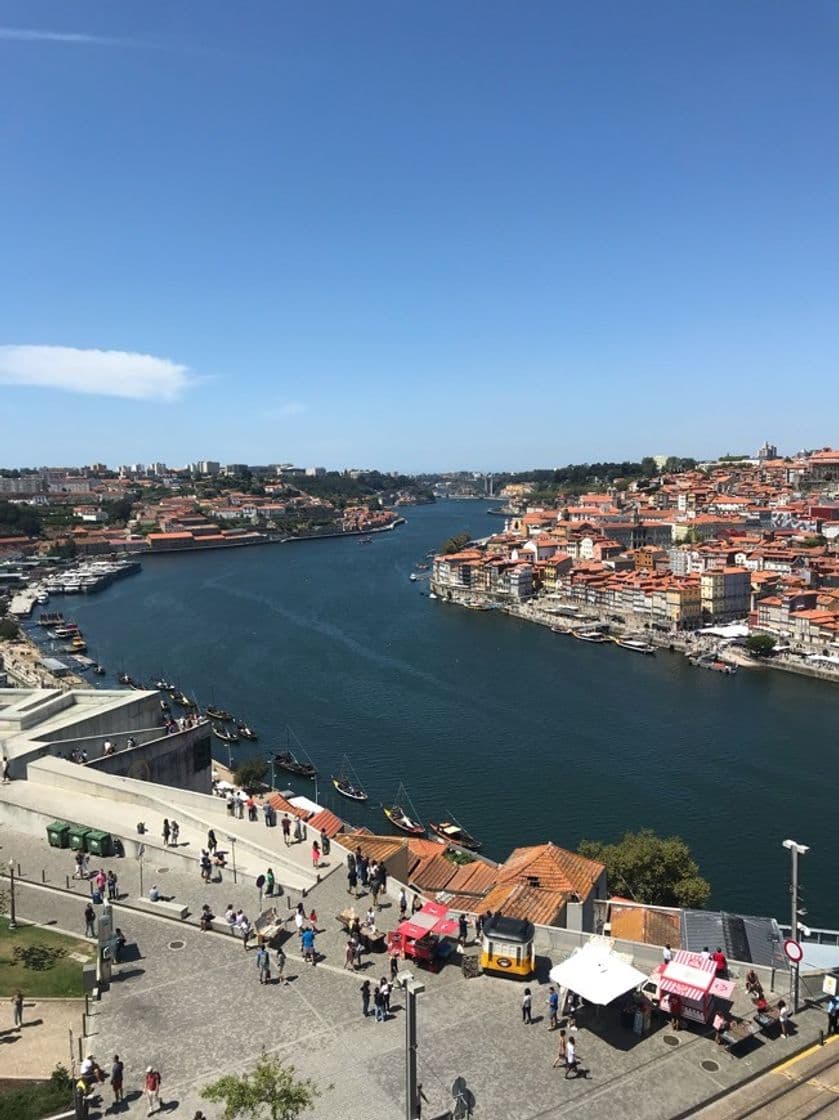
(245, 732)
(638, 645)
(346, 788)
(451, 833)
(589, 636)
(215, 713)
(400, 819)
(224, 734)
(98, 670)
(287, 761)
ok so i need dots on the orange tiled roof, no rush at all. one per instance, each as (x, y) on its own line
(473, 878)
(432, 873)
(520, 900)
(554, 867)
(652, 927)
(326, 821)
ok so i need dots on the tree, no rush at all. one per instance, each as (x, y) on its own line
(270, 1090)
(659, 871)
(250, 773)
(760, 645)
(454, 544)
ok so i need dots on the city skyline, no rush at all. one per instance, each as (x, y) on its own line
(432, 239)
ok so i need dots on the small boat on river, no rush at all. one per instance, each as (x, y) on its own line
(398, 816)
(245, 732)
(212, 712)
(224, 734)
(638, 645)
(99, 671)
(346, 782)
(589, 636)
(452, 833)
(287, 761)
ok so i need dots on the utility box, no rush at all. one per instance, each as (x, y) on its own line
(99, 843)
(78, 837)
(58, 834)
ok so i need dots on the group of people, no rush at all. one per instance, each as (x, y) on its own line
(91, 1076)
(380, 996)
(171, 831)
(369, 874)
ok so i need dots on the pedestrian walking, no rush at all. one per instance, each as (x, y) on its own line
(379, 1003)
(315, 854)
(152, 1089)
(349, 955)
(387, 988)
(269, 882)
(667, 954)
(212, 843)
(6, 773)
(111, 885)
(281, 963)
(175, 832)
(298, 831)
(117, 1068)
(78, 860)
(100, 880)
(307, 944)
(245, 929)
(374, 892)
(206, 867)
(89, 921)
(166, 832)
(571, 1057)
(17, 1005)
(462, 930)
(363, 868)
(240, 806)
(352, 882)
(403, 904)
(833, 1015)
(561, 1051)
(720, 963)
(365, 998)
(286, 827)
(416, 904)
(263, 964)
(526, 1005)
(299, 919)
(231, 805)
(325, 844)
(783, 1018)
(553, 1008)
(394, 969)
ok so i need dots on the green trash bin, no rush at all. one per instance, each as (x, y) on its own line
(99, 843)
(58, 834)
(78, 837)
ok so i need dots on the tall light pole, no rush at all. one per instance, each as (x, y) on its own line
(412, 988)
(795, 850)
(12, 922)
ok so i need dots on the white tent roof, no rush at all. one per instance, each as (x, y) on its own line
(596, 973)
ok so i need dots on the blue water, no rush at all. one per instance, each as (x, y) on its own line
(522, 734)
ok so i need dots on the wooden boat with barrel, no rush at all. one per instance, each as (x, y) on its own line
(287, 761)
(399, 817)
(451, 833)
(224, 734)
(346, 782)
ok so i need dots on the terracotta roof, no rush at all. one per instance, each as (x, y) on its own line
(520, 900)
(279, 803)
(326, 821)
(373, 847)
(652, 927)
(432, 873)
(554, 867)
(473, 878)
(420, 847)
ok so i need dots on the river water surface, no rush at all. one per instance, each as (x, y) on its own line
(522, 734)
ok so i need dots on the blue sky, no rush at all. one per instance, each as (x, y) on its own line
(417, 235)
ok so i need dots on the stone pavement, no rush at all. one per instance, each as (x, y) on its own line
(191, 1003)
(804, 1086)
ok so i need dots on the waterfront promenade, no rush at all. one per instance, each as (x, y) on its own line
(190, 1002)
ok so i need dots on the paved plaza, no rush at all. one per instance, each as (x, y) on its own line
(190, 1002)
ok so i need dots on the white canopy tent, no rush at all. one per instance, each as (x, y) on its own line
(597, 973)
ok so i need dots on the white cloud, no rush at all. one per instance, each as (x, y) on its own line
(113, 373)
(293, 408)
(33, 35)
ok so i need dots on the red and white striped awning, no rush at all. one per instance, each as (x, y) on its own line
(688, 975)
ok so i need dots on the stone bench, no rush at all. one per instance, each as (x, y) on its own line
(173, 909)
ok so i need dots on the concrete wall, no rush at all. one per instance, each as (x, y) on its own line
(182, 760)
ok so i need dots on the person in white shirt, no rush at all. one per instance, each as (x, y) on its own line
(667, 954)
(706, 954)
(570, 1056)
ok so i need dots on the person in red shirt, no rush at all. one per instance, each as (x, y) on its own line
(722, 964)
(152, 1086)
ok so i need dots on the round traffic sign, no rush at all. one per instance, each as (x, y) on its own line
(793, 951)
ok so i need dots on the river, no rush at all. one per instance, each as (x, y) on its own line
(522, 734)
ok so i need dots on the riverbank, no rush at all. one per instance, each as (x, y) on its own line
(691, 644)
(22, 659)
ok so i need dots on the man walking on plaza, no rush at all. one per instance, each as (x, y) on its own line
(116, 1080)
(553, 1008)
(263, 964)
(17, 1004)
(89, 920)
(152, 1089)
(286, 826)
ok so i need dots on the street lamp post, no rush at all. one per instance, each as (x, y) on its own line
(795, 850)
(232, 840)
(412, 988)
(12, 922)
